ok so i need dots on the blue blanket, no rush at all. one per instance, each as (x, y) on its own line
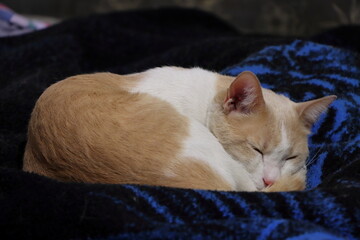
(36, 207)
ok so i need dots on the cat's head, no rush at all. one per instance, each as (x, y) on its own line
(267, 132)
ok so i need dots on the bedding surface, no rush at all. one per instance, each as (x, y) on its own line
(36, 207)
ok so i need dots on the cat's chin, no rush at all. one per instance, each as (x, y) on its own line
(260, 186)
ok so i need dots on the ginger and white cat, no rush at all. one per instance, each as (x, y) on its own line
(170, 126)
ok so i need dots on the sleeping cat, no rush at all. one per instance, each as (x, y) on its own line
(170, 126)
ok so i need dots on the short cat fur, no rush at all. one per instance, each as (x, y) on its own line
(170, 126)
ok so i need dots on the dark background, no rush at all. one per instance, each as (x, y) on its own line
(281, 17)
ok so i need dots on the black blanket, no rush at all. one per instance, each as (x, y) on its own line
(35, 207)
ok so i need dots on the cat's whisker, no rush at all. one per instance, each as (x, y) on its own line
(315, 157)
(297, 170)
(311, 161)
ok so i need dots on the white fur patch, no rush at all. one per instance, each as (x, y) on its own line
(170, 84)
(284, 143)
(272, 162)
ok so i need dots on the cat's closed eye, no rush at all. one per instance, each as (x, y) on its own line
(257, 150)
(290, 158)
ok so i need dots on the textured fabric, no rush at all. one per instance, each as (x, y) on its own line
(35, 207)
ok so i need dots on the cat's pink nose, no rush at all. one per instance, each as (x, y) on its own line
(268, 182)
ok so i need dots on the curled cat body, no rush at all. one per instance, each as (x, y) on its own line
(171, 126)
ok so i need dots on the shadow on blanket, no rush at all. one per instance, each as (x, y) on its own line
(36, 207)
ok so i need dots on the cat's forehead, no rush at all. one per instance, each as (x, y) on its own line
(280, 139)
(277, 127)
(287, 134)
(277, 130)
(279, 104)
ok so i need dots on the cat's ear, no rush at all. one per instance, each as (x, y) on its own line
(244, 94)
(310, 111)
